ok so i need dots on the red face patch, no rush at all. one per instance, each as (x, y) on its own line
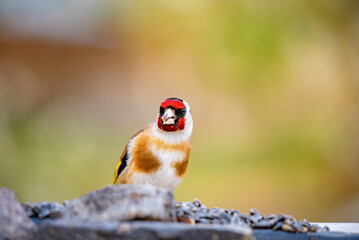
(170, 128)
(173, 103)
(181, 123)
(159, 122)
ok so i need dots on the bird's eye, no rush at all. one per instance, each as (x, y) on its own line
(183, 110)
(162, 110)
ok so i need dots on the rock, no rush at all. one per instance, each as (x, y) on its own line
(62, 229)
(123, 202)
(14, 222)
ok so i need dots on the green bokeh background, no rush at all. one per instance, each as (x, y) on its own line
(273, 87)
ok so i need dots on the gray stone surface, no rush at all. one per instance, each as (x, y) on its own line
(342, 227)
(14, 222)
(62, 229)
(123, 202)
(280, 235)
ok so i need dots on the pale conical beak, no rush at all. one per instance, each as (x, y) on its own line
(168, 117)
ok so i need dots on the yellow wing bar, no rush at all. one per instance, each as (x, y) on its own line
(116, 172)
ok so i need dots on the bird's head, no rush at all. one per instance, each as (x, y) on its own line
(174, 115)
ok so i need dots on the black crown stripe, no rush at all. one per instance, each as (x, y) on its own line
(173, 98)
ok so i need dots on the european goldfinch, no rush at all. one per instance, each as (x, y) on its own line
(158, 154)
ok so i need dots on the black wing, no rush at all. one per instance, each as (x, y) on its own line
(120, 166)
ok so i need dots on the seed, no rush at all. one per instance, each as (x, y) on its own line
(202, 215)
(188, 213)
(216, 221)
(270, 216)
(253, 219)
(204, 220)
(257, 217)
(186, 220)
(229, 211)
(204, 207)
(278, 225)
(236, 212)
(180, 212)
(43, 213)
(297, 227)
(287, 228)
(29, 206)
(217, 210)
(324, 229)
(254, 211)
(264, 224)
(197, 202)
(190, 205)
(203, 210)
(213, 215)
(314, 228)
(225, 216)
(235, 220)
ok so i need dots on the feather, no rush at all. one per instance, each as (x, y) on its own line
(122, 163)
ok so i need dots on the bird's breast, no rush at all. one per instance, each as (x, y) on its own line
(159, 163)
(173, 156)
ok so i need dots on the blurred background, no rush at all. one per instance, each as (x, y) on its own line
(273, 87)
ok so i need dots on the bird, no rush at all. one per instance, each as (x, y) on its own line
(158, 154)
